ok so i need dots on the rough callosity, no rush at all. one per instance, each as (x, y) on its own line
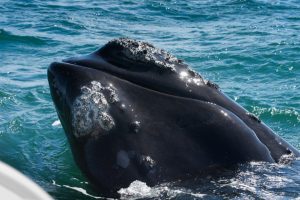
(134, 55)
(90, 109)
(145, 53)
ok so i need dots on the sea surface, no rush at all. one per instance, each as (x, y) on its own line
(251, 48)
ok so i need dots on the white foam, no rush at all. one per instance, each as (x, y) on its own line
(136, 189)
(56, 123)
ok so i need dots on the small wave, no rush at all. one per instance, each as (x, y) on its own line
(260, 180)
(8, 37)
(78, 189)
(254, 180)
(277, 112)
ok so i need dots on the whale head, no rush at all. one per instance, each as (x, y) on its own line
(135, 112)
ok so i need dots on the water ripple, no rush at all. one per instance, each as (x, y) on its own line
(7, 37)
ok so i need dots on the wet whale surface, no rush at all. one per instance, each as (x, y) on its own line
(135, 112)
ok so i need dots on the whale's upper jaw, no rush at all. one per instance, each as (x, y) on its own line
(137, 62)
(139, 56)
(133, 56)
(143, 64)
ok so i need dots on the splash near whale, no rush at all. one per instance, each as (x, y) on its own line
(135, 112)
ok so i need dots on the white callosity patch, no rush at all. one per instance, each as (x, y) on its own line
(113, 97)
(146, 53)
(90, 110)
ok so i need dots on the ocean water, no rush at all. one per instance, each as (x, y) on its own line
(251, 48)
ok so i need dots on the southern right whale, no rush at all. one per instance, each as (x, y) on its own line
(135, 112)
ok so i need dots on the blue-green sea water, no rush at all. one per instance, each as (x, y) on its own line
(251, 48)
